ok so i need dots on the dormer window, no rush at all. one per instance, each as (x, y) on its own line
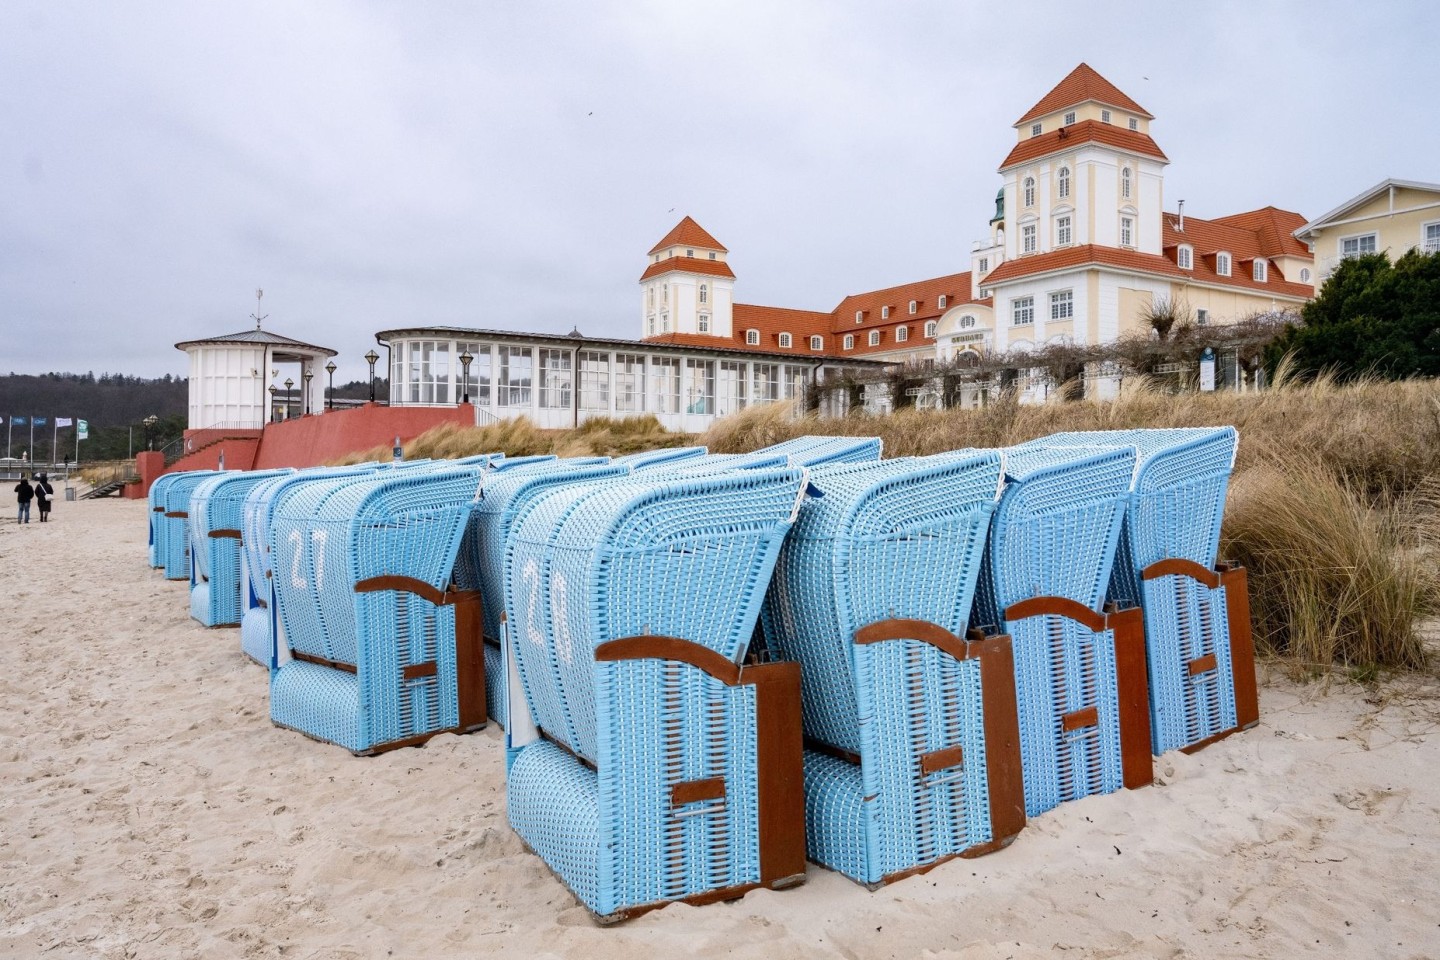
(712, 256)
(785, 341)
(1064, 182)
(1029, 191)
(884, 313)
(1259, 271)
(943, 300)
(914, 305)
(1034, 129)
(1304, 274)
(1104, 116)
(1184, 257)
(859, 316)
(689, 253)
(1134, 124)
(1222, 264)
(874, 338)
(752, 338)
(704, 293)
(930, 328)
(817, 343)
(1125, 189)
(704, 323)
(902, 334)
(1070, 118)
(849, 341)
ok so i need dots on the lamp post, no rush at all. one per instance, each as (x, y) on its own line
(465, 361)
(289, 384)
(273, 390)
(150, 422)
(305, 397)
(330, 369)
(370, 358)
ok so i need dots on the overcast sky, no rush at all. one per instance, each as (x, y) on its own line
(495, 164)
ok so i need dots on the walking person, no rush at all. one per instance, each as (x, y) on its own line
(24, 493)
(43, 493)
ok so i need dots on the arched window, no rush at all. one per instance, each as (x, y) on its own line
(849, 341)
(884, 313)
(785, 341)
(944, 299)
(874, 338)
(966, 322)
(1029, 191)
(914, 305)
(1064, 184)
(929, 328)
(664, 293)
(1222, 264)
(652, 296)
(817, 343)
(752, 338)
(1184, 257)
(1125, 184)
(902, 334)
(704, 293)
(859, 316)
(1304, 274)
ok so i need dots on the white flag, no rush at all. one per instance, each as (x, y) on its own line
(64, 422)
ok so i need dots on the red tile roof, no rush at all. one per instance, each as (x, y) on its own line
(712, 268)
(1081, 85)
(1245, 245)
(1083, 255)
(1086, 131)
(955, 287)
(1275, 229)
(688, 233)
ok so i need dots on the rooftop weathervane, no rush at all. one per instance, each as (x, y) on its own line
(257, 316)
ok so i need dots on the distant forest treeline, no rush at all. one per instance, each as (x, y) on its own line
(115, 406)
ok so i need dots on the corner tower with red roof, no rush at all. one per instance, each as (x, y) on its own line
(687, 288)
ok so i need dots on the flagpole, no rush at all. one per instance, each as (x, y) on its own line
(32, 442)
(54, 438)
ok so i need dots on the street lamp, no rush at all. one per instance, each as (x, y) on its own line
(305, 397)
(273, 390)
(288, 385)
(150, 422)
(330, 369)
(465, 360)
(370, 358)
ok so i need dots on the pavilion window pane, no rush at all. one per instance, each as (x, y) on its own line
(479, 371)
(667, 384)
(767, 382)
(730, 387)
(555, 379)
(629, 382)
(594, 380)
(699, 386)
(516, 370)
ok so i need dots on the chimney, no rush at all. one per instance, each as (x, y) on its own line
(1181, 225)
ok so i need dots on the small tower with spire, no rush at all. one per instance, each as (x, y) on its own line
(687, 287)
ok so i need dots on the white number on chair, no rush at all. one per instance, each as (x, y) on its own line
(564, 643)
(298, 542)
(530, 574)
(319, 537)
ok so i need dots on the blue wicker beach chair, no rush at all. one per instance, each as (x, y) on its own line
(378, 649)
(1199, 647)
(175, 522)
(216, 518)
(648, 764)
(504, 492)
(913, 743)
(808, 451)
(662, 458)
(159, 544)
(1080, 667)
(258, 627)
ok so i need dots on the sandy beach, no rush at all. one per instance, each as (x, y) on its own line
(150, 809)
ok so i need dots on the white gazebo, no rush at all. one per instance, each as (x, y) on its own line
(237, 380)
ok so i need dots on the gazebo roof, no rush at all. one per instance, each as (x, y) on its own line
(257, 337)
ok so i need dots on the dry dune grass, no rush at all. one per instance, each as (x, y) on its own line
(602, 436)
(1334, 506)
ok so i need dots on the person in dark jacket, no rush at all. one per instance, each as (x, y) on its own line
(43, 493)
(24, 493)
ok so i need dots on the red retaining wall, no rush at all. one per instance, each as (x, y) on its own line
(319, 438)
(239, 455)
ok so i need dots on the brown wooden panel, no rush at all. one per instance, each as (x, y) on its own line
(1202, 664)
(402, 584)
(470, 659)
(1078, 719)
(179, 514)
(780, 773)
(225, 534)
(322, 661)
(942, 759)
(693, 791)
(1058, 606)
(830, 750)
(1185, 568)
(922, 630)
(418, 671)
(1242, 646)
(1132, 683)
(1004, 774)
(670, 648)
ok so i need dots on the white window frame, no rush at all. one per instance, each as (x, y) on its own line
(1304, 274)
(1429, 244)
(1029, 191)
(849, 341)
(1258, 270)
(1070, 118)
(1127, 230)
(702, 323)
(704, 293)
(1222, 263)
(1185, 257)
(930, 326)
(859, 316)
(874, 338)
(1062, 305)
(1104, 116)
(966, 322)
(1064, 231)
(902, 334)
(943, 300)
(914, 305)
(1135, 124)
(1127, 187)
(1022, 312)
(817, 342)
(752, 337)
(1370, 235)
(984, 264)
(1202, 316)
(785, 341)
(1029, 239)
(1063, 183)
(1035, 129)
(884, 313)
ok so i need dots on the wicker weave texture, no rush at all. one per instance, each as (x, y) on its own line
(155, 499)
(176, 530)
(218, 504)
(1185, 621)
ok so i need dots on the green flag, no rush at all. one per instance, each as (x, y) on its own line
(82, 430)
